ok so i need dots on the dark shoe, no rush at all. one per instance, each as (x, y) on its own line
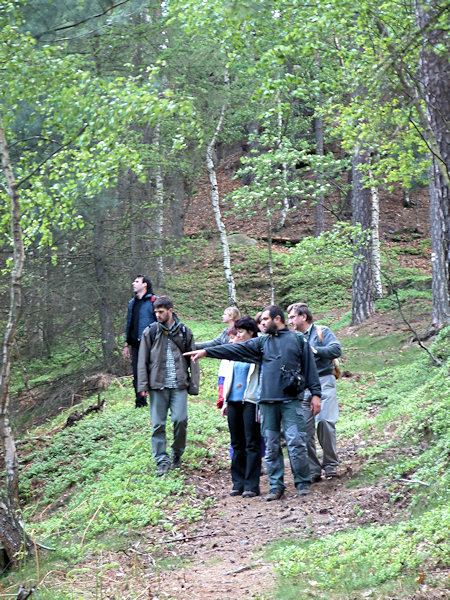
(316, 478)
(234, 492)
(162, 469)
(250, 493)
(303, 489)
(175, 463)
(331, 475)
(274, 494)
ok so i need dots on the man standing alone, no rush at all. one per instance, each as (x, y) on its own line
(169, 377)
(325, 347)
(140, 315)
(282, 354)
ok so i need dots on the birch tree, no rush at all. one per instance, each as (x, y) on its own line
(215, 199)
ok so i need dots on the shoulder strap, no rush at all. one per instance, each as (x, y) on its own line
(184, 332)
(153, 328)
(300, 339)
(319, 332)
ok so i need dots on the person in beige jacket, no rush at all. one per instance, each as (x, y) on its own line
(168, 376)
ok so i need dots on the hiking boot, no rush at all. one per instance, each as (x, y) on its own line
(250, 493)
(175, 463)
(162, 469)
(234, 492)
(274, 494)
(303, 489)
(316, 478)
(331, 475)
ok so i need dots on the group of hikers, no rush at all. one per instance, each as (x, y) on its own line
(277, 386)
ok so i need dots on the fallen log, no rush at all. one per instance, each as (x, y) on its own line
(78, 416)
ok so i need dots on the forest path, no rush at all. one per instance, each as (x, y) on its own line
(222, 556)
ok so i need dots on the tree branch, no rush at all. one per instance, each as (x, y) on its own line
(42, 163)
(97, 16)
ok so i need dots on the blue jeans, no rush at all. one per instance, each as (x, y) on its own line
(160, 403)
(290, 416)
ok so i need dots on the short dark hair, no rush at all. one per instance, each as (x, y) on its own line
(275, 311)
(147, 281)
(231, 331)
(302, 309)
(246, 322)
(163, 302)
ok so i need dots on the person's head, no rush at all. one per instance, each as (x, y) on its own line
(232, 335)
(230, 314)
(300, 317)
(258, 321)
(272, 319)
(247, 328)
(141, 286)
(163, 310)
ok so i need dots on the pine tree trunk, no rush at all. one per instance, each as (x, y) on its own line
(216, 208)
(435, 71)
(11, 534)
(362, 288)
(319, 212)
(439, 288)
(159, 210)
(269, 246)
(104, 290)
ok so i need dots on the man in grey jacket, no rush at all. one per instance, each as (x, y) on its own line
(281, 353)
(325, 347)
(169, 377)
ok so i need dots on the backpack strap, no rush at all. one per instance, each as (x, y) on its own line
(301, 340)
(153, 329)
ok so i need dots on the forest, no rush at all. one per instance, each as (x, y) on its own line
(158, 138)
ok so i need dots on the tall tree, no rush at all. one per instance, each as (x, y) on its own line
(432, 20)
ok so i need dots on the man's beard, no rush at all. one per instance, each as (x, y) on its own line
(271, 329)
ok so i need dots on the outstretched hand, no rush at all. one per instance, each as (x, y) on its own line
(195, 354)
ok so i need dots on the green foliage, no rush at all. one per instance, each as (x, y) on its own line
(102, 467)
(366, 558)
(409, 405)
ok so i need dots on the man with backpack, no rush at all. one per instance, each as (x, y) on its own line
(287, 366)
(169, 377)
(326, 350)
(140, 315)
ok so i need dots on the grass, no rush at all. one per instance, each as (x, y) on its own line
(407, 440)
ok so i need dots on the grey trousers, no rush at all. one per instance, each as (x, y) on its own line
(326, 428)
(160, 403)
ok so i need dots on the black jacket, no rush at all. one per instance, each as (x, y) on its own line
(274, 351)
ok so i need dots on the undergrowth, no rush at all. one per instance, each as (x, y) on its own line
(398, 417)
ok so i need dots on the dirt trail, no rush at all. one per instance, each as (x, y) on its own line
(223, 554)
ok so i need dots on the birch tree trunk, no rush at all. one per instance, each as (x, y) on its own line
(284, 167)
(375, 234)
(12, 535)
(217, 214)
(362, 288)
